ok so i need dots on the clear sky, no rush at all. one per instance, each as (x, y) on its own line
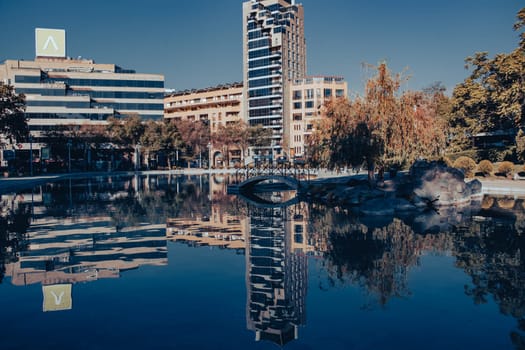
(198, 44)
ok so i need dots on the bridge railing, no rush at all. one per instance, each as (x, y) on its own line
(250, 170)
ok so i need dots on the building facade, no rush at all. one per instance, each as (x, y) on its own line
(274, 55)
(63, 91)
(308, 95)
(218, 106)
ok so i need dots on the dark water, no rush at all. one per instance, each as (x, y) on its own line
(175, 263)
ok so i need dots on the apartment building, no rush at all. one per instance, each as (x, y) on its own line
(307, 97)
(218, 106)
(274, 55)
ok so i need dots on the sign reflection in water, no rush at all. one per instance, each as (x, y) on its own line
(83, 230)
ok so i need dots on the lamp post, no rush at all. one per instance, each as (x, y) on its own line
(209, 157)
(69, 144)
(137, 156)
(30, 155)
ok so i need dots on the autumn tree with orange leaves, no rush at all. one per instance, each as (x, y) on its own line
(383, 129)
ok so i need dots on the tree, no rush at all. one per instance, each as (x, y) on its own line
(520, 146)
(162, 136)
(195, 136)
(383, 128)
(259, 136)
(492, 98)
(13, 123)
(231, 136)
(127, 131)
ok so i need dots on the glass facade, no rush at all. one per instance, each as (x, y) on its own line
(274, 54)
(126, 95)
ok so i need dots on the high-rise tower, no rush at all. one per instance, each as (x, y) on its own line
(274, 55)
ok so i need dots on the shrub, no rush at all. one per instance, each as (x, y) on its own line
(485, 167)
(506, 168)
(465, 164)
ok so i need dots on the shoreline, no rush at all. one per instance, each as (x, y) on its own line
(9, 184)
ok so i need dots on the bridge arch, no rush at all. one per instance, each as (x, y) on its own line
(291, 182)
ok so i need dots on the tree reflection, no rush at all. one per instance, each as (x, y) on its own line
(491, 250)
(14, 221)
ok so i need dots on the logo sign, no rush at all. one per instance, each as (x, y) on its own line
(50, 42)
(57, 297)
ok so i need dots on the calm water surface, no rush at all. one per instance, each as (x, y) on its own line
(166, 262)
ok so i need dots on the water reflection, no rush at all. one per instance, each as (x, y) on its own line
(77, 231)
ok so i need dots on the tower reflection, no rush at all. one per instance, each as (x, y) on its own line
(276, 273)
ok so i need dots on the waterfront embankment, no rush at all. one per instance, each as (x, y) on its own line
(13, 184)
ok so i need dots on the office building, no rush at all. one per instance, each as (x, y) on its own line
(308, 96)
(274, 55)
(63, 91)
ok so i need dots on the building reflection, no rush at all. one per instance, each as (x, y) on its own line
(276, 244)
(80, 231)
(276, 275)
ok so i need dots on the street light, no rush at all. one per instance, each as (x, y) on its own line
(209, 156)
(137, 156)
(69, 144)
(30, 155)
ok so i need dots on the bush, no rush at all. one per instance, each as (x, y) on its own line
(485, 167)
(465, 164)
(506, 168)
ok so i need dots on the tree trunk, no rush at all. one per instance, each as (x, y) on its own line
(371, 175)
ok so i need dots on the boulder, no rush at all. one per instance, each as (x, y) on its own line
(440, 185)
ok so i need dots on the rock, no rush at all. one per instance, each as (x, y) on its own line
(435, 182)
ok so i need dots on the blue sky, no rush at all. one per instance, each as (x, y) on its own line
(198, 44)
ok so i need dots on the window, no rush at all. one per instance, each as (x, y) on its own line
(309, 94)
(309, 104)
(327, 93)
(297, 105)
(339, 93)
(297, 94)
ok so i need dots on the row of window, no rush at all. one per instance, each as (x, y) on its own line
(260, 82)
(108, 82)
(262, 72)
(92, 94)
(259, 53)
(132, 106)
(67, 104)
(262, 92)
(309, 93)
(42, 92)
(307, 104)
(263, 102)
(263, 62)
(27, 79)
(264, 112)
(265, 42)
(84, 104)
(264, 121)
(88, 116)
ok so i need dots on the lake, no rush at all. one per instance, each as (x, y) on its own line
(174, 262)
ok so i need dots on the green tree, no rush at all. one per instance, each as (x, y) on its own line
(13, 123)
(259, 136)
(492, 97)
(126, 132)
(162, 136)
